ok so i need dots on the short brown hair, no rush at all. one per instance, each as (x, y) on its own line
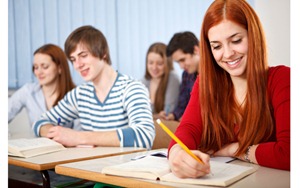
(92, 39)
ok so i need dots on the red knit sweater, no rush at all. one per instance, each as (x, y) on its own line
(276, 152)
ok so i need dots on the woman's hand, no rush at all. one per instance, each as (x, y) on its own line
(185, 166)
(164, 115)
(228, 150)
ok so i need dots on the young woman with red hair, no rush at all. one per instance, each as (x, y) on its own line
(239, 106)
(54, 80)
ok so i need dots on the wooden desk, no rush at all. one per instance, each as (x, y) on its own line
(48, 161)
(91, 170)
(162, 139)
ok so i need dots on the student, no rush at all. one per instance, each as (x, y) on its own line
(183, 48)
(239, 106)
(50, 67)
(114, 109)
(160, 79)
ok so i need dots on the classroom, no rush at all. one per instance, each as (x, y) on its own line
(129, 27)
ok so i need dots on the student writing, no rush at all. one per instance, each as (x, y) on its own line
(114, 109)
(239, 106)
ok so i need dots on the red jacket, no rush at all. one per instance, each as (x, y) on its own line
(276, 152)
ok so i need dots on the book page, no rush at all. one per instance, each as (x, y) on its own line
(25, 144)
(32, 147)
(224, 174)
(149, 167)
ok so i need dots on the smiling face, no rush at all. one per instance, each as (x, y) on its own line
(45, 70)
(229, 45)
(88, 66)
(155, 65)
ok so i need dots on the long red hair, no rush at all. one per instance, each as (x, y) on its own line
(65, 82)
(219, 109)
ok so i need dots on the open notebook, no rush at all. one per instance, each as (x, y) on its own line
(157, 168)
(29, 147)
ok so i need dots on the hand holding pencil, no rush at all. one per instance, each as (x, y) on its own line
(202, 169)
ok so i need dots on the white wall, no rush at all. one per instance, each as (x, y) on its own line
(275, 18)
(130, 27)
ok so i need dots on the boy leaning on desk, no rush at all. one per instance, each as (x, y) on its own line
(113, 109)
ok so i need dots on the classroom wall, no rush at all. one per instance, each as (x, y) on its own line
(275, 17)
(130, 26)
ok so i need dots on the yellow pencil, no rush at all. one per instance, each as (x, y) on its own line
(176, 139)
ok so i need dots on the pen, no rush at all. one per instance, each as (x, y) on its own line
(58, 121)
(167, 110)
(176, 139)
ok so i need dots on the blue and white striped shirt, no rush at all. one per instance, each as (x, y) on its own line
(126, 109)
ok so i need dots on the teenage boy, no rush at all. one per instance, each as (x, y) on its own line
(114, 109)
(183, 48)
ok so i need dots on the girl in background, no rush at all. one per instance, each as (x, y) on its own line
(161, 80)
(50, 67)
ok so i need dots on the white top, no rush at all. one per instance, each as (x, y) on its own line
(172, 92)
(31, 97)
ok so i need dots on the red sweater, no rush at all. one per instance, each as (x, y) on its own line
(276, 152)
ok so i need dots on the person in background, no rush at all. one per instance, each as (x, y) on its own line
(161, 79)
(239, 106)
(183, 48)
(50, 67)
(113, 109)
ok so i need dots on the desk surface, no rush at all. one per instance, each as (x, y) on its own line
(50, 160)
(91, 170)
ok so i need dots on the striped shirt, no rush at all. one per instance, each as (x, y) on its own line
(126, 109)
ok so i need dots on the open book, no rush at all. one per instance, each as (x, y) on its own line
(29, 147)
(157, 168)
